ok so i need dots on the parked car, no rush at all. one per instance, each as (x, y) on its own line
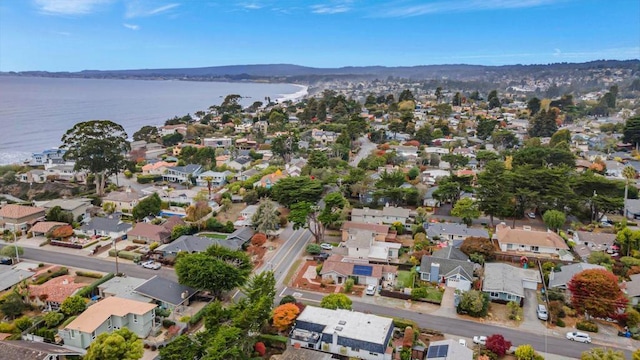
(542, 312)
(151, 265)
(579, 337)
(6, 261)
(480, 340)
(531, 215)
(326, 246)
(371, 290)
(321, 257)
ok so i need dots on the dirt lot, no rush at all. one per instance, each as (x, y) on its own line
(231, 214)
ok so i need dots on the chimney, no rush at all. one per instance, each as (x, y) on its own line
(434, 273)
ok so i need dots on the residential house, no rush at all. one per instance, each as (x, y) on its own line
(157, 168)
(448, 350)
(560, 279)
(54, 155)
(586, 242)
(245, 216)
(323, 137)
(428, 199)
(32, 176)
(172, 195)
(153, 151)
(180, 174)
(362, 245)
(245, 144)
(172, 129)
(41, 228)
(64, 172)
(294, 167)
(122, 287)
(217, 178)
(149, 233)
(124, 201)
(52, 293)
(342, 332)
(193, 244)
(77, 207)
(338, 269)
(269, 180)
(240, 237)
(261, 126)
(11, 275)
(221, 142)
(107, 315)
(506, 283)
(380, 232)
(526, 240)
(167, 294)
(407, 152)
(448, 266)
(111, 226)
(19, 217)
(633, 289)
(453, 234)
(245, 175)
(239, 163)
(388, 215)
(36, 350)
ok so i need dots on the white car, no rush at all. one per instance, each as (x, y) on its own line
(480, 340)
(579, 337)
(531, 215)
(151, 265)
(326, 246)
(371, 290)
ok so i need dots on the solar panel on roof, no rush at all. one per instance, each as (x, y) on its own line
(437, 351)
(362, 270)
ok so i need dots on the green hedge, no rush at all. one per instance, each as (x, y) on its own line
(127, 255)
(89, 274)
(146, 179)
(48, 276)
(403, 323)
(87, 291)
(273, 341)
(587, 326)
(195, 318)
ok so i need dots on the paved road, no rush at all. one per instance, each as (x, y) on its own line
(92, 263)
(366, 146)
(551, 342)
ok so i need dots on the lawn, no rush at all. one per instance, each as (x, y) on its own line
(214, 236)
(435, 295)
(404, 278)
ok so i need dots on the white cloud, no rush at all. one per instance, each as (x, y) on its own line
(459, 6)
(251, 6)
(132, 26)
(329, 9)
(69, 7)
(138, 9)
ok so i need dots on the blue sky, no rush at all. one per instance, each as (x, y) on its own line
(73, 35)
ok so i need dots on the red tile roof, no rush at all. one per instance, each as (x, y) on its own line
(56, 289)
(14, 211)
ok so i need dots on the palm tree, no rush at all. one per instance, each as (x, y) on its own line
(629, 173)
(209, 180)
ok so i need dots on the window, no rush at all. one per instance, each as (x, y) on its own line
(109, 323)
(93, 335)
(494, 294)
(73, 334)
(535, 248)
(135, 318)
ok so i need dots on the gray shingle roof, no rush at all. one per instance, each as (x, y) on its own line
(439, 229)
(106, 224)
(506, 278)
(566, 273)
(187, 169)
(447, 266)
(241, 235)
(195, 244)
(32, 350)
(450, 253)
(10, 276)
(165, 290)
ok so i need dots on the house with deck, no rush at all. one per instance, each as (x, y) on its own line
(453, 234)
(342, 332)
(504, 283)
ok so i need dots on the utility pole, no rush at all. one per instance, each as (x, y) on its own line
(115, 240)
(15, 245)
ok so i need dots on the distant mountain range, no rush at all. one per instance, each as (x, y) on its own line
(277, 72)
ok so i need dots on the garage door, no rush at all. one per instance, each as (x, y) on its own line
(530, 285)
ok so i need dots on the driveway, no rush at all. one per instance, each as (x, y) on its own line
(366, 146)
(448, 306)
(530, 320)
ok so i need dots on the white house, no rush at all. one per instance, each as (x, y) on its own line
(342, 332)
(527, 240)
(388, 215)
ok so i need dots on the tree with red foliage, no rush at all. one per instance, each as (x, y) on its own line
(61, 232)
(596, 292)
(260, 348)
(258, 239)
(497, 344)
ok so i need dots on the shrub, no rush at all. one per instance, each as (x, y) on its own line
(419, 293)
(497, 344)
(348, 285)
(52, 319)
(185, 319)
(7, 328)
(273, 341)
(154, 245)
(587, 326)
(474, 303)
(166, 323)
(560, 323)
(319, 269)
(164, 312)
(260, 348)
(258, 239)
(555, 295)
(87, 291)
(314, 249)
(403, 323)
(478, 245)
(89, 274)
(23, 323)
(73, 305)
(287, 299)
(515, 311)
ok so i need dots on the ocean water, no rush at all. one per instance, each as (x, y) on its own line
(35, 112)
